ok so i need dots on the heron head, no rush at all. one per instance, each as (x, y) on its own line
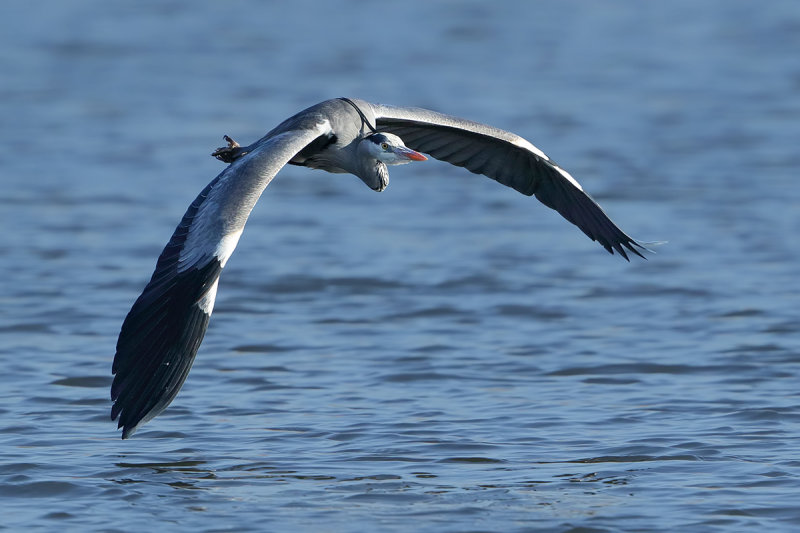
(378, 150)
(390, 150)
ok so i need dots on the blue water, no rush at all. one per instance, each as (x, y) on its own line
(447, 355)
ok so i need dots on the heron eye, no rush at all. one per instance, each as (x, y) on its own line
(384, 146)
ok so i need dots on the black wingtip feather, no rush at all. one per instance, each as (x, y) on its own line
(156, 350)
(160, 336)
(581, 210)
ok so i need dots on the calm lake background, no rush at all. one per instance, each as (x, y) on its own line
(448, 355)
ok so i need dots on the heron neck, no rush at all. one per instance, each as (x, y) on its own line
(374, 174)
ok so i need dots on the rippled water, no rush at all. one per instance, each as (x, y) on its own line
(447, 355)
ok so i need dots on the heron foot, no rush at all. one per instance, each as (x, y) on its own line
(230, 153)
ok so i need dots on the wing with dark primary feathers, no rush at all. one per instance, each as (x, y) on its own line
(162, 332)
(508, 159)
(164, 328)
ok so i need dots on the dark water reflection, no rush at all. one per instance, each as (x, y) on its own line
(447, 355)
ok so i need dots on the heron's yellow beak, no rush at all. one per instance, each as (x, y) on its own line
(408, 153)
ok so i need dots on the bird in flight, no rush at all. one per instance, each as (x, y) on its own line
(164, 328)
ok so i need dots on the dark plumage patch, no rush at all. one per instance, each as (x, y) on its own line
(378, 138)
(313, 148)
(162, 332)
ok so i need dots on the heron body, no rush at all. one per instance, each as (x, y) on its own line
(163, 330)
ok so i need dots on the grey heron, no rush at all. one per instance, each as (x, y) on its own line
(165, 326)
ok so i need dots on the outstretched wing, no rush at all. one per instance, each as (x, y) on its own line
(507, 158)
(164, 328)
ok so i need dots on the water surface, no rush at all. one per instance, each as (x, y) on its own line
(447, 355)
